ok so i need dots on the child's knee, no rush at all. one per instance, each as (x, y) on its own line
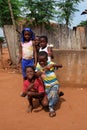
(45, 101)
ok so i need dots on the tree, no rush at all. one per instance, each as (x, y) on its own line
(40, 11)
(9, 13)
(5, 15)
(83, 23)
(67, 8)
(1, 42)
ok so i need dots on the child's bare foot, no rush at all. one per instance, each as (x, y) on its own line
(30, 108)
(22, 94)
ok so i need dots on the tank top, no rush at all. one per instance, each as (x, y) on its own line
(27, 50)
(46, 50)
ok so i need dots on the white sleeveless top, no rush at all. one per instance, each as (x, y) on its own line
(46, 50)
(27, 50)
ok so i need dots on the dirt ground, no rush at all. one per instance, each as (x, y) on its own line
(71, 110)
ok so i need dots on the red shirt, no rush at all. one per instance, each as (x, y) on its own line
(38, 85)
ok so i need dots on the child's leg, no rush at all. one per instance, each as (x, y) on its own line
(30, 107)
(44, 101)
(53, 98)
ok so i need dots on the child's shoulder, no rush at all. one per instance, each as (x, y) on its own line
(50, 62)
(26, 82)
(38, 80)
(38, 65)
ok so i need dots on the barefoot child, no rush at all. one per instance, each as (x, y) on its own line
(46, 70)
(33, 88)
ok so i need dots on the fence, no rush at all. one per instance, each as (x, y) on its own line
(60, 36)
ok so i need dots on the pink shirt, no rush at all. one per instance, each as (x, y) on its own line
(38, 85)
(27, 50)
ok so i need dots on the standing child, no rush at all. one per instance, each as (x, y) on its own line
(37, 43)
(46, 70)
(45, 47)
(27, 52)
(34, 88)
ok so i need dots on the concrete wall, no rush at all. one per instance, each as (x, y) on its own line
(74, 70)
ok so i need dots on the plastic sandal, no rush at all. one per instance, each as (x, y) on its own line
(52, 113)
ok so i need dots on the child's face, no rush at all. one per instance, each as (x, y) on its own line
(42, 61)
(30, 73)
(27, 35)
(43, 42)
(37, 40)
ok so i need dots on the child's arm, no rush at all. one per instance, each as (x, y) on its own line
(36, 94)
(26, 89)
(30, 87)
(35, 53)
(20, 54)
(48, 67)
(40, 90)
(57, 65)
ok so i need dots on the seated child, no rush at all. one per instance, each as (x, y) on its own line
(33, 88)
(45, 69)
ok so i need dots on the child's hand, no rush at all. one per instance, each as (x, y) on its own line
(58, 65)
(30, 86)
(35, 65)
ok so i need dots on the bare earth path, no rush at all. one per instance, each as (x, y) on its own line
(71, 110)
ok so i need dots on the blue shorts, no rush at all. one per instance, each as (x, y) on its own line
(26, 63)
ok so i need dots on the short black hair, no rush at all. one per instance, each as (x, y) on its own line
(45, 37)
(32, 67)
(43, 53)
(37, 36)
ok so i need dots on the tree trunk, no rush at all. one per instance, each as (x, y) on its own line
(15, 45)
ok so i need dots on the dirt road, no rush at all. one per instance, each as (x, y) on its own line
(71, 110)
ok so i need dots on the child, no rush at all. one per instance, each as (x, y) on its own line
(46, 70)
(34, 88)
(27, 52)
(37, 43)
(45, 47)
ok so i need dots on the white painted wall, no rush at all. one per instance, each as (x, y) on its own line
(1, 32)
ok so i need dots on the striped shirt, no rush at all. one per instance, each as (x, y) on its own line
(49, 77)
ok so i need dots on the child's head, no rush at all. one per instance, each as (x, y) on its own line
(42, 58)
(37, 40)
(30, 72)
(27, 35)
(43, 41)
